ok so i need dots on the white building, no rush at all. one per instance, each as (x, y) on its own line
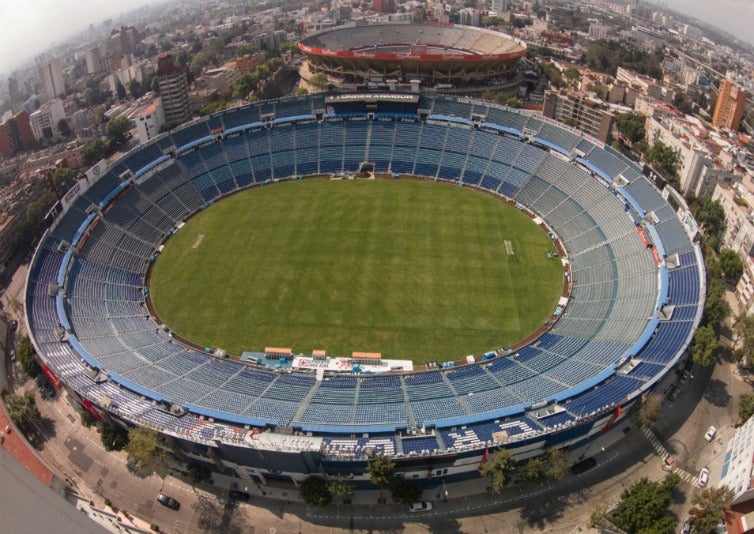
(498, 6)
(598, 31)
(148, 120)
(470, 16)
(51, 74)
(44, 121)
(739, 460)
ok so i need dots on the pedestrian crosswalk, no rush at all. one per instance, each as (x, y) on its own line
(663, 453)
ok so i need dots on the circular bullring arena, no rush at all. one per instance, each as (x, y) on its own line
(432, 54)
(625, 317)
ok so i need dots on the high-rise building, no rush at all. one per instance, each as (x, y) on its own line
(583, 113)
(499, 6)
(148, 120)
(470, 16)
(384, 6)
(731, 102)
(44, 121)
(99, 60)
(171, 81)
(52, 78)
(15, 135)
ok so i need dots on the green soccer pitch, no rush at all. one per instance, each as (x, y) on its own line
(412, 269)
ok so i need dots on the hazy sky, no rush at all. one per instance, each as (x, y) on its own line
(733, 16)
(27, 27)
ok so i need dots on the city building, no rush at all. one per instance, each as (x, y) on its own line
(470, 16)
(222, 79)
(739, 461)
(498, 6)
(98, 59)
(171, 80)
(15, 134)
(580, 112)
(44, 121)
(148, 120)
(51, 74)
(384, 6)
(731, 102)
(598, 31)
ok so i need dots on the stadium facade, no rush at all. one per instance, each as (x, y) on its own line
(445, 55)
(637, 291)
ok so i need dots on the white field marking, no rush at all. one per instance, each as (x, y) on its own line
(509, 248)
(198, 241)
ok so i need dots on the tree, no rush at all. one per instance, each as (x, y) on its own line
(711, 215)
(314, 492)
(145, 452)
(644, 507)
(704, 346)
(498, 468)
(665, 160)
(118, 127)
(649, 413)
(319, 81)
(404, 491)
(745, 407)
(25, 356)
(94, 150)
(631, 126)
(199, 472)
(63, 127)
(558, 463)
(113, 436)
(340, 486)
(381, 471)
(120, 90)
(709, 507)
(533, 470)
(513, 102)
(744, 331)
(716, 308)
(571, 74)
(22, 410)
(63, 178)
(682, 101)
(731, 265)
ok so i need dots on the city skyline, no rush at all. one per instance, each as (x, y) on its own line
(733, 16)
(30, 26)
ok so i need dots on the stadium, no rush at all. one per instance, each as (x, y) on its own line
(634, 301)
(447, 55)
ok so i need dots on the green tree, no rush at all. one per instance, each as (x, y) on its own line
(644, 507)
(704, 346)
(558, 463)
(118, 127)
(319, 81)
(665, 160)
(63, 128)
(533, 470)
(404, 491)
(513, 102)
(145, 452)
(120, 90)
(381, 471)
(22, 410)
(94, 150)
(731, 265)
(113, 436)
(631, 126)
(25, 356)
(199, 472)
(743, 329)
(745, 407)
(711, 215)
(571, 74)
(716, 308)
(498, 468)
(709, 506)
(649, 412)
(63, 177)
(314, 492)
(340, 486)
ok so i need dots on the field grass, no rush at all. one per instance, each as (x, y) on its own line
(408, 268)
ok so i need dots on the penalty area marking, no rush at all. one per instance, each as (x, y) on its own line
(198, 241)
(508, 248)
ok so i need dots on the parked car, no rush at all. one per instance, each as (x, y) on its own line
(686, 529)
(168, 501)
(711, 431)
(422, 506)
(239, 495)
(703, 477)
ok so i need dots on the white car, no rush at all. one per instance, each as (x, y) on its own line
(422, 506)
(703, 477)
(711, 431)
